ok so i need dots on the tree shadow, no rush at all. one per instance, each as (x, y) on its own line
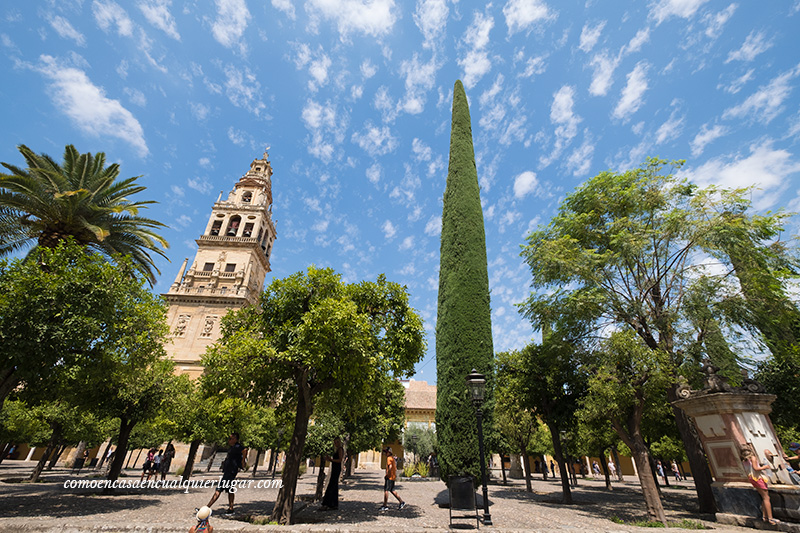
(21, 501)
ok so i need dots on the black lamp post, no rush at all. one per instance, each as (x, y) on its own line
(476, 383)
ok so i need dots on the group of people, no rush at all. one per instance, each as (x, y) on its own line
(235, 461)
(158, 463)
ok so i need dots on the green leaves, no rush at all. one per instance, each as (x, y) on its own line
(81, 198)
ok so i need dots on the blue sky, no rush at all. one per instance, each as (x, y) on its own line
(353, 97)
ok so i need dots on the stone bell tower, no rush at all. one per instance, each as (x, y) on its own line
(229, 268)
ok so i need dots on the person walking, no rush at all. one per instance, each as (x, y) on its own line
(389, 481)
(147, 467)
(612, 468)
(676, 471)
(230, 467)
(596, 468)
(331, 499)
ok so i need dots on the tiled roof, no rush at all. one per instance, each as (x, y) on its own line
(420, 395)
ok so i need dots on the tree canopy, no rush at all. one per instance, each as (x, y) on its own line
(47, 202)
(315, 343)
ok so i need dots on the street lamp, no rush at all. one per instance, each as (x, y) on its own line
(475, 384)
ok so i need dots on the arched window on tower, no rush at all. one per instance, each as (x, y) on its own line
(233, 226)
(247, 197)
(216, 227)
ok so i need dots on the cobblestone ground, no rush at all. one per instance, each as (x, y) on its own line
(50, 507)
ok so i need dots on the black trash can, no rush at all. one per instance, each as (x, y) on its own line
(463, 498)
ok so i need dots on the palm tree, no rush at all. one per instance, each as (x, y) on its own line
(81, 198)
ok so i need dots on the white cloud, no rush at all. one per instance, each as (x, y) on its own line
(368, 69)
(108, 13)
(754, 44)
(243, 89)
(766, 103)
(178, 191)
(326, 129)
(183, 221)
(201, 185)
(420, 78)
(66, 30)
(525, 184)
(204, 162)
(769, 169)
(716, 22)
(319, 71)
(231, 22)
(434, 226)
(580, 160)
(430, 16)
(663, 9)
(566, 121)
(604, 67)
(237, 137)
(137, 97)
(736, 85)
(706, 136)
(476, 61)
(157, 13)
(522, 14)
(286, 6)
(87, 106)
(590, 35)
(407, 244)
(533, 67)
(670, 129)
(389, 231)
(374, 173)
(636, 43)
(200, 111)
(375, 140)
(320, 226)
(421, 151)
(632, 95)
(370, 17)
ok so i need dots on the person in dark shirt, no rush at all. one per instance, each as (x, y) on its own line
(230, 467)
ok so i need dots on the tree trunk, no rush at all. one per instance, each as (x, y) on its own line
(259, 451)
(615, 455)
(320, 479)
(544, 468)
(503, 468)
(655, 509)
(214, 449)
(104, 455)
(284, 503)
(606, 473)
(554, 435)
(701, 474)
(130, 456)
(666, 471)
(51, 446)
(125, 428)
(8, 382)
(187, 468)
(79, 454)
(527, 464)
(272, 462)
(4, 448)
(56, 456)
(348, 470)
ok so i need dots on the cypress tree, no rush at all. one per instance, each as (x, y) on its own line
(463, 325)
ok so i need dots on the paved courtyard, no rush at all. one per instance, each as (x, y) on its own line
(50, 507)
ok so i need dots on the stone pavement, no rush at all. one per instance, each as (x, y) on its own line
(49, 507)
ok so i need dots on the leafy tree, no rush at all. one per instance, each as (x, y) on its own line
(463, 325)
(627, 377)
(513, 419)
(419, 441)
(70, 311)
(628, 250)
(553, 384)
(19, 423)
(313, 342)
(47, 202)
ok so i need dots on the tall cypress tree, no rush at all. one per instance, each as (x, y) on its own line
(463, 326)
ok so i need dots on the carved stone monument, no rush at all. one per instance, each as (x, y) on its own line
(729, 419)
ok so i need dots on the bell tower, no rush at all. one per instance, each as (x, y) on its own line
(229, 268)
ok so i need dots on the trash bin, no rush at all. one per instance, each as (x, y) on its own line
(463, 498)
